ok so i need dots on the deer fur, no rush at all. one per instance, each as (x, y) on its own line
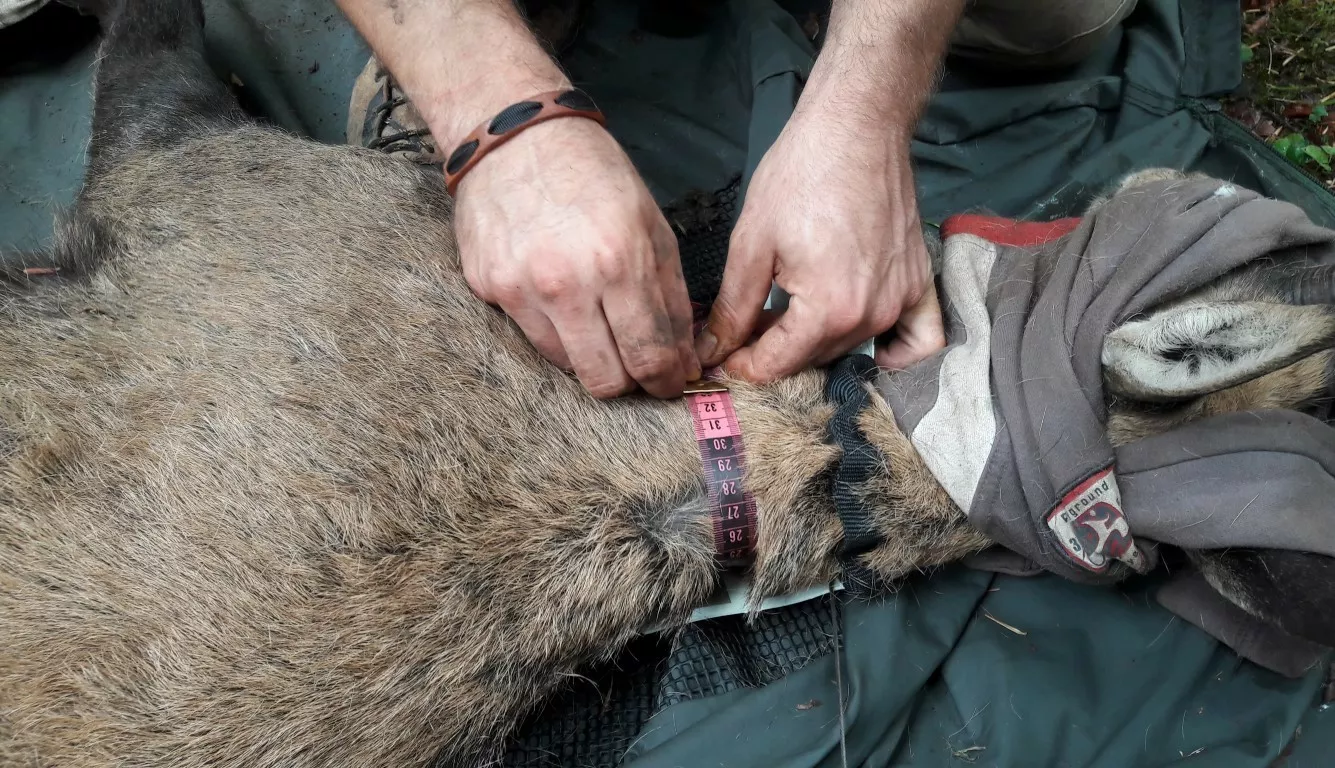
(277, 489)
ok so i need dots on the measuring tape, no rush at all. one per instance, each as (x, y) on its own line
(723, 457)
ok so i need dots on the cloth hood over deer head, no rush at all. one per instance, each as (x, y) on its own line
(1029, 417)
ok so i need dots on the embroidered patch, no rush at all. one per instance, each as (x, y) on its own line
(1090, 525)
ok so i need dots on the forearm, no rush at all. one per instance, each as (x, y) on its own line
(880, 60)
(460, 61)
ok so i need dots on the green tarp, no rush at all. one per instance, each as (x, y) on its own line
(959, 667)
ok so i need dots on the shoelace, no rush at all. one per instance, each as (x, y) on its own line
(381, 117)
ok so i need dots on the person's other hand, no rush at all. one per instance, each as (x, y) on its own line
(832, 217)
(557, 228)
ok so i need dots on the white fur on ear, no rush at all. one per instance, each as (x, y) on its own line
(1201, 347)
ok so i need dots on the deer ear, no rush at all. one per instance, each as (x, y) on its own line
(1197, 348)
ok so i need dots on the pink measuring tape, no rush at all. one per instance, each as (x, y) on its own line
(718, 435)
(723, 456)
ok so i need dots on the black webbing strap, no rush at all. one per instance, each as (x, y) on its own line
(844, 387)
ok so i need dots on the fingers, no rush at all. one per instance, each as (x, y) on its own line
(766, 321)
(920, 333)
(618, 316)
(639, 331)
(592, 350)
(816, 332)
(541, 333)
(647, 315)
(583, 262)
(579, 336)
(785, 347)
(552, 287)
(747, 277)
(508, 291)
(643, 329)
(673, 284)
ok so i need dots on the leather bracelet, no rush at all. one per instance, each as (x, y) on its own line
(510, 121)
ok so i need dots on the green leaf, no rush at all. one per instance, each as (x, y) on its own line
(1329, 149)
(1291, 147)
(1318, 155)
(1246, 53)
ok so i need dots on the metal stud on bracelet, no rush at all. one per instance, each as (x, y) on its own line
(510, 121)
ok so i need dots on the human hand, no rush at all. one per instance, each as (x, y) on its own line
(558, 230)
(832, 217)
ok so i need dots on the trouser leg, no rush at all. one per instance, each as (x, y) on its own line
(1034, 34)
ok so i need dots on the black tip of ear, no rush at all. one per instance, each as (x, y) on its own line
(1294, 591)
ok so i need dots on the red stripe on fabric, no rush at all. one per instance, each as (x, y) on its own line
(1004, 231)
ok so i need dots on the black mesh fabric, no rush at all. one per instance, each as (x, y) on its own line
(703, 222)
(724, 654)
(595, 719)
(594, 722)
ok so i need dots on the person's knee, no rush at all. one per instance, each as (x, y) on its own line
(1037, 33)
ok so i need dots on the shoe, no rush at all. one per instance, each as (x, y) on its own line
(381, 117)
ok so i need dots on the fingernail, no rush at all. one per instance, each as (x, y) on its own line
(705, 345)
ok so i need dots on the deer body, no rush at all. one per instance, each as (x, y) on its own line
(277, 489)
(274, 456)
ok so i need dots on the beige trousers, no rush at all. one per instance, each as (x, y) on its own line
(1036, 33)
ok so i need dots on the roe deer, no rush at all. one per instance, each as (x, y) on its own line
(277, 489)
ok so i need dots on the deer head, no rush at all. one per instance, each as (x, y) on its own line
(1258, 338)
(1251, 342)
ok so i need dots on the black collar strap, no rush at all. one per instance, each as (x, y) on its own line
(845, 387)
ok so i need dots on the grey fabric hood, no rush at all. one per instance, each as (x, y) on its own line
(1011, 416)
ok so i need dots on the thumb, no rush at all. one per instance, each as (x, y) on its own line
(919, 334)
(747, 277)
(791, 340)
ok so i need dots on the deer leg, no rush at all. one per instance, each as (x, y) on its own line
(153, 88)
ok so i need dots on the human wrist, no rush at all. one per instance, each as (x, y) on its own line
(510, 123)
(456, 111)
(459, 61)
(879, 63)
(840, 115)
(498, 62)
